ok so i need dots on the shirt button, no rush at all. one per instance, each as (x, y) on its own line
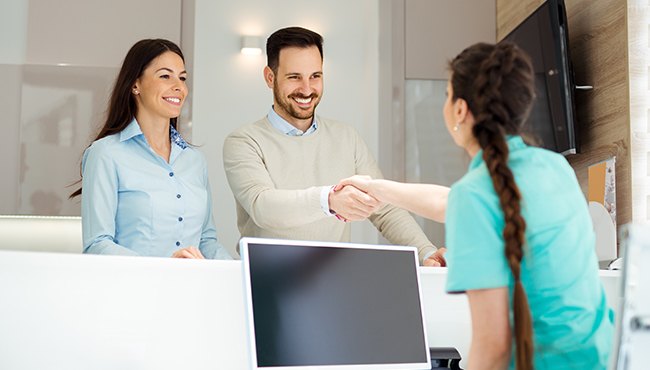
(178, 196)
(171, 174)
(178, 244)
(180, 219)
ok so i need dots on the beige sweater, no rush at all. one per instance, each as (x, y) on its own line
(276, 180)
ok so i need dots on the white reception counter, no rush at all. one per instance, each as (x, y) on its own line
(71, 311)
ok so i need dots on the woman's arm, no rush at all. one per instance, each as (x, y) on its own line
(491, 333)
(209, 245)
(426, 200)
(99, 203)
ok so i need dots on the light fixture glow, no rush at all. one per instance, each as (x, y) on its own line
(251, 45)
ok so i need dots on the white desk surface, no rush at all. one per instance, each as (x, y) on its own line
(70, 311)
(64, 311)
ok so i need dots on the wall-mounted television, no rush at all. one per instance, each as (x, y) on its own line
(545, 37)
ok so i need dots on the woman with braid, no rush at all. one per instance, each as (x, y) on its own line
(519, 236)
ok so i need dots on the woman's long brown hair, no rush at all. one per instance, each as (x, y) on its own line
(497, 81)
(122, 107)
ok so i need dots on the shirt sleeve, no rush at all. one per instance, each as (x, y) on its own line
(99, 203)
(474, 237)
(253, 188)
(209, 246)
(325, 200)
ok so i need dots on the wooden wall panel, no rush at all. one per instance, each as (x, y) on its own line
(511, 12)
(598, 44)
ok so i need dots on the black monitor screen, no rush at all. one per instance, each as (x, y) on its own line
(335, 306)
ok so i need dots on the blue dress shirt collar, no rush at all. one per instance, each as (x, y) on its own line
(288, 129)
(133, 130)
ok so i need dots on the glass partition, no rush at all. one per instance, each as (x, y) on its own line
(58, 61)
(431, 154)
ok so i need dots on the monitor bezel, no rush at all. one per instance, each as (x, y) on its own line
(243, 245)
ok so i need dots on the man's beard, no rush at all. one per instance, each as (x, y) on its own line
(286, 103)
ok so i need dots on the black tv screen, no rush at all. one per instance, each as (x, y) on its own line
(544, 36)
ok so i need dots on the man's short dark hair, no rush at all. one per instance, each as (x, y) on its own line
(290, 37)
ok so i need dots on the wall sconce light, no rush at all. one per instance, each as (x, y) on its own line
(251, 45)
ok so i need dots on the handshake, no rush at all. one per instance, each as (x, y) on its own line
(351, 199)
(358, 197)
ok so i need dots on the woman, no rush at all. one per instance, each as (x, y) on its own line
(145, 190)
(519, 237)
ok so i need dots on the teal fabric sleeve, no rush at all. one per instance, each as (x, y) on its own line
(475, 256)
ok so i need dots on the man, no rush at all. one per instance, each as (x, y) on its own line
(282, 169)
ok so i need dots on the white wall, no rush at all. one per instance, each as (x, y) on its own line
(229, 90)
(96, 33)
(13, 31)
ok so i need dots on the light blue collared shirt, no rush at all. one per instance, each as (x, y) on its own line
(135, 203)
(290, 130)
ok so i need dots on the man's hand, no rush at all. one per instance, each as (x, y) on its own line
(437, 259)
(352, 204)
(188, 252)
(360, 182)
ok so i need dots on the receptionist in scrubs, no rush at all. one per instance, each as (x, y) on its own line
(518, 232)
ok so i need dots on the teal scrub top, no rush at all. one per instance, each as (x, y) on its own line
(572, 323)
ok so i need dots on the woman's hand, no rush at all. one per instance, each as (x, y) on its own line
(426, 200)
(352, 204)
(188, 252)
(360, 182)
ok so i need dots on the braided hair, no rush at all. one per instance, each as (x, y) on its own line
(497, 82)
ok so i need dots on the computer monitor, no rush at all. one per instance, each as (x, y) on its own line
(326, 305)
